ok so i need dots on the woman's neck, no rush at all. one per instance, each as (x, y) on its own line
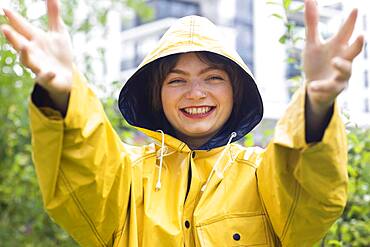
(192, 142)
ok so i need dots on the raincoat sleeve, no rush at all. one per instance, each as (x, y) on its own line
(82, 167)
(303, 186)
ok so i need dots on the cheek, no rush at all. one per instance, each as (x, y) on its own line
(226, 96)
(168, 100)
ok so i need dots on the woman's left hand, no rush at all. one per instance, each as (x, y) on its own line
(327, 64)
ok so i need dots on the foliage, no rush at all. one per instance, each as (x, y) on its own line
(353, 228)
(23, 221)
(292, 40)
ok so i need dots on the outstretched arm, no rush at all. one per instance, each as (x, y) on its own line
(327, 67)
(304, 187)
(47, 54)
(83, 168)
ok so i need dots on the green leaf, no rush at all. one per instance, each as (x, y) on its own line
(291, 60)
(335, 243)
(290, 26)
(249, 141)
(286, 4)
(296, 10)
(278, 16)
(102, 17)
(272, 3)
(297, 39)
(283, 39)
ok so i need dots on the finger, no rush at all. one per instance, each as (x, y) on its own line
(13, 37)
(345, 32)
(343, 69)
(20, 24)
(27, 60)
(311, 21)
(55, 22)
(354, 49)
(44, 78)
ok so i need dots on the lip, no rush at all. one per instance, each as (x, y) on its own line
(200, 115)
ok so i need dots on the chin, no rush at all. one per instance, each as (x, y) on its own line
(198, 132)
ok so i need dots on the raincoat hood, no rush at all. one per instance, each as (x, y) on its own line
(189, 34)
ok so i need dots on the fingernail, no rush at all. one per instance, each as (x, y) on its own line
(4, 11)
(3, 28)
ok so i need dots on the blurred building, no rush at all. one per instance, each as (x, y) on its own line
(250, 28)
(138, 37)
(356, 99)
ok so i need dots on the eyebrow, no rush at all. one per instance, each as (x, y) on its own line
(179, 71)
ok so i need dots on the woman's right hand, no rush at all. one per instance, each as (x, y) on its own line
(47, 54)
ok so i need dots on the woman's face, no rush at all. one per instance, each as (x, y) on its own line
(197, 99)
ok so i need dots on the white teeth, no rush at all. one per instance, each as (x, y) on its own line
(197, 110)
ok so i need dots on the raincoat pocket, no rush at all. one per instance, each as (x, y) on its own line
(234, 231)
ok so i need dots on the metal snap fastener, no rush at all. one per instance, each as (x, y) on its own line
(187, 224)
(236, 236)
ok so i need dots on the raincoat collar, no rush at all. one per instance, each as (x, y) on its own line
(188, 34)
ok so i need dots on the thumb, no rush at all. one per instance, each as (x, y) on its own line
(45, 78)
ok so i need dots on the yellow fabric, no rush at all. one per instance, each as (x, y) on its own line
(102, 191)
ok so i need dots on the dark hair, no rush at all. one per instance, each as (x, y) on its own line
(162, 67)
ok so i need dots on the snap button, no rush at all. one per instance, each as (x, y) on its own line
(193, 155)
(187, 224)
(236, 236)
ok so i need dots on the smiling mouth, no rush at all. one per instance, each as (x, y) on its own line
(197, 112)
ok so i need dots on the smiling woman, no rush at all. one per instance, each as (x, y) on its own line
(195, 186)
(193, 90)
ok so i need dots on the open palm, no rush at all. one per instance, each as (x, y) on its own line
(47, 54)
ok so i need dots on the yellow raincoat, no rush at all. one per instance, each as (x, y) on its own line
(107, 193)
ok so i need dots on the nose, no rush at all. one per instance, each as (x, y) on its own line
(196, 90)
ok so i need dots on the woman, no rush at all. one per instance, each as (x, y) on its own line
(196, 187)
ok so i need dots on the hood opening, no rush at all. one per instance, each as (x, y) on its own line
(135, 104)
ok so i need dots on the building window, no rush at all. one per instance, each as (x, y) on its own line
(174, 8)
(128, 59)
(243, 23)
(366, 79)
(365, 50)
(366, 106)
(364, 20)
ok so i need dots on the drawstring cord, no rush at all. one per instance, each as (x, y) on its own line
(162, 153)
(214, 169)
(229, 163)
(158, 185)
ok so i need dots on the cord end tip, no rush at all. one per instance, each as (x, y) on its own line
(158, 186)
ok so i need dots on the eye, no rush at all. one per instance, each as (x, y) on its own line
(176, 81)
(215, 78)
